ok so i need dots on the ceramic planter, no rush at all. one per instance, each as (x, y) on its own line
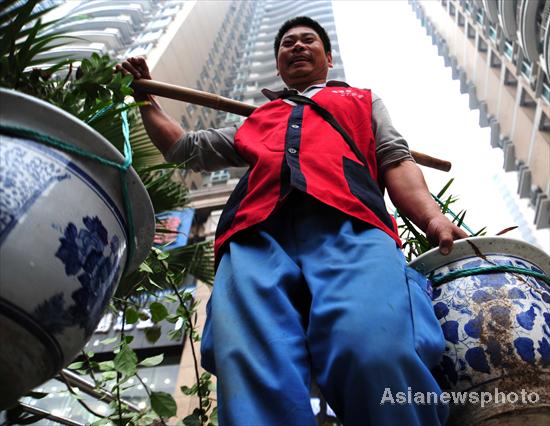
(63, 241)
(497, 330)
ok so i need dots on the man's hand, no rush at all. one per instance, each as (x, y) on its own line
(409, 193)
(137, 67)
(163, 130)
(442, 232)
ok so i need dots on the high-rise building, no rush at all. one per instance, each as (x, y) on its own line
(500, 52)
(257, 68)
(188, 43)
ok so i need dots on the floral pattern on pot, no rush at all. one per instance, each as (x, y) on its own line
(21, 186)
(494, 324)
(94, 261)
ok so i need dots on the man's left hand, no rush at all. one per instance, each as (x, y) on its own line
(441, 231)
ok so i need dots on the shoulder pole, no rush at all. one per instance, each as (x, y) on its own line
(221, 103)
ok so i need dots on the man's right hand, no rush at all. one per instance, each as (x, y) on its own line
(163, 130)
(136, 67)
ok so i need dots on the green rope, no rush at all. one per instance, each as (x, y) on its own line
(448, 210)
(123, 168)
(487, 270)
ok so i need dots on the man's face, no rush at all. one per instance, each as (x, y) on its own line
(302, 60)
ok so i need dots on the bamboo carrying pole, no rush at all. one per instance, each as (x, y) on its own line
(217, 102)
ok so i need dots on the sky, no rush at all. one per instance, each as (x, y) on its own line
(385, 48)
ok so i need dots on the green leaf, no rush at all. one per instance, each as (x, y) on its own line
(152, 334)
(152, 361)
(444, 189)
(158, 312)
(75, 365)
(186, 390)
(109, 341)
(109, 375)
(214, 417)
(176, 334)
(482, 231)
(144, 267)
(106, 366)
(173, 318)
(163, 404)
(193, 419)
(125, 361)
(131, 316)
(163, 255)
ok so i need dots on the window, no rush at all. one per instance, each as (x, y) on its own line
(492, 33)
(220, 176)
(452, 10)
(460, 21)
(526, 100)
(509, 78)
(471, 32)
(508, 50)
(481, 45)
(544, 125)
(526, 69)
(545, 92)
(495, 61)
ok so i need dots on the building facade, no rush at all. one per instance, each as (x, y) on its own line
(499, 50)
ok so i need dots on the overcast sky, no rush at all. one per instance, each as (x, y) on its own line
(385, 48)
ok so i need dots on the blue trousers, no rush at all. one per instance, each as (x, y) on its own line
(314, 293)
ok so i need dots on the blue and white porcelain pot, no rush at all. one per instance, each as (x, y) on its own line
(63, 240)
(496, 328)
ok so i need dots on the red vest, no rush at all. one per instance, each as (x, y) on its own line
(290, 146)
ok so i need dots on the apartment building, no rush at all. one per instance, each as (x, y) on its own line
(500, 52)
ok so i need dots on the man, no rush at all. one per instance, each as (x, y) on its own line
(310, 281)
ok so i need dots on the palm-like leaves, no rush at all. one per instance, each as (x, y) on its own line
(22, 37)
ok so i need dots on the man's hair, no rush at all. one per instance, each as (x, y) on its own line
(302, 21)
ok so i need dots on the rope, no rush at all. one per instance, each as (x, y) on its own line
(487, 270)
(123, 168)
(453, 214)
(449, 211)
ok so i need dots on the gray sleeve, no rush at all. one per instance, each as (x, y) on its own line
(206, 150)
(391, 147)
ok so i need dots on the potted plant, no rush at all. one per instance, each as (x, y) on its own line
(79, 185)
(492, 298)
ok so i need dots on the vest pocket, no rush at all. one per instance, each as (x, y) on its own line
(365, 189)
(233, 203)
